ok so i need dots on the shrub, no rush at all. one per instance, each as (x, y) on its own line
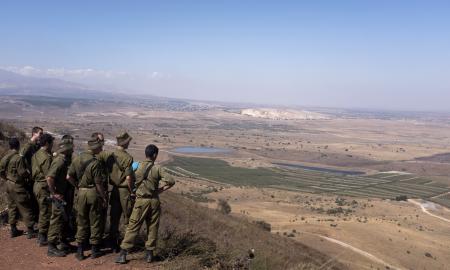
(223, 207)
(264, 225)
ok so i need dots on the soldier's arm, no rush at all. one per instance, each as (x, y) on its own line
(129, 174)
(3, 167)
(98, 174)
(50, 177)
(72, 174)
(166, 178)
(104, 155)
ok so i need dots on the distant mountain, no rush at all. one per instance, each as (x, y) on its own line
(15, 84)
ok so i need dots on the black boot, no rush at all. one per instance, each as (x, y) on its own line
(96, 252)
(149, 256)
(80, 255)
(115, 247)
(122, 259)
(42, 240)
(67, 247)
(31, 233)
(53, 251)
(15, 232)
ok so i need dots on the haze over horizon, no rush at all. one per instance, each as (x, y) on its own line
(383, 55)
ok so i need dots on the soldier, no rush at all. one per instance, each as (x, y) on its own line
(70, 226)
(87, 173)
(58, 186)
(41, 162)
(13, 169)
(122, 181)
(27, 152)
(147, 206)
(103, 157)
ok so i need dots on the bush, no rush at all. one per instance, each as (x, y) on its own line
(401, 198)
(264, 225)
(223, 207)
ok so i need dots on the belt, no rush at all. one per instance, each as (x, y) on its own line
(120, 186)
(85, 188)
(156, 196)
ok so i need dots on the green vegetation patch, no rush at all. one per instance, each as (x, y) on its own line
(382, 185)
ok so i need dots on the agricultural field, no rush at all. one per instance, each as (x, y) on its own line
(381, 185)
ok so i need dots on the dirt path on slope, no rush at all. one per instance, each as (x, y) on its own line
(422, 207)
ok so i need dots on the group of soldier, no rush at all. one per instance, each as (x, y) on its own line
(67, 196)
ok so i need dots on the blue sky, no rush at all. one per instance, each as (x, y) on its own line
(366, 54)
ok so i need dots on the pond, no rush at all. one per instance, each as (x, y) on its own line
(319, 169)
(200, 150)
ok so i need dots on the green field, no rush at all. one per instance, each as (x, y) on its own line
(382, 185)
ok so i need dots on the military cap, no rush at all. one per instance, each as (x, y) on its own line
(67, 138)
(64, 146)
(123, 139)
(94, 143)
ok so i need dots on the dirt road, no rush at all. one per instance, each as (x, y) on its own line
(425, 210)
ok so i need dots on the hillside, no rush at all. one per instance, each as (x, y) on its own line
(191, 237)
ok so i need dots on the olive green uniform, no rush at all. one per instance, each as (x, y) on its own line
(58, 171)
(13, 169)
(27, 152)
(41, 162)
(88, 172)
(120, 166)
(103, 157)
(147, 206)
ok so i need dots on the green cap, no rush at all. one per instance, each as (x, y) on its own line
(123, 139)
(94, 143)
(64, 146)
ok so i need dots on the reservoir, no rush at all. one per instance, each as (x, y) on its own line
(200, 150)
(319, 169)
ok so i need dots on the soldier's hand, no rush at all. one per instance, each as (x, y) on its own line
(104, 203)
(58, 197)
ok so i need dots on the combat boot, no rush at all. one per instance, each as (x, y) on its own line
(42, 240)
(149, 256)
(122, 259)
(15, 232)
(67, 247)
(53, 251)
(31, 233)
(96, 252)
(115, 245)
(80, 255)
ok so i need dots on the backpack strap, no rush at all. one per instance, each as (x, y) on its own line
(146, 172)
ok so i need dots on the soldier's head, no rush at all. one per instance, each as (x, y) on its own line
(14, 144)
(123, 140)
(95, 145)
(65, 147)
(67, 138)
(151, 152)
(98, 135)
(46, 141)
(36, 133)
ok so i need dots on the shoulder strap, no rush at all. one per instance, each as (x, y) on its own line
(147, 171)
